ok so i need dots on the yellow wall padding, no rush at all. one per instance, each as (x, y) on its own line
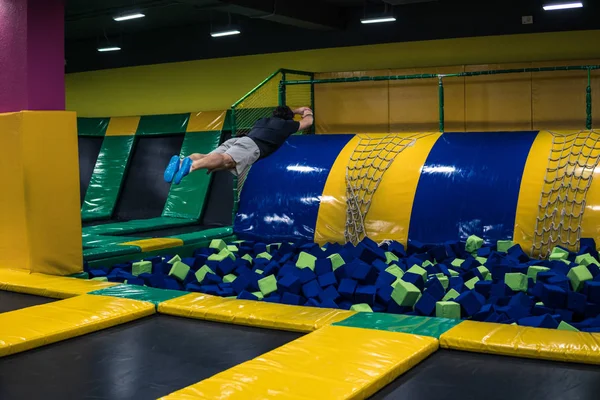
(39, 206)
(37, 326)
(332, 363)
(122, 126)
(206, 121)
(57, 287)
(252, 313)
(155, 244)
(522, 341)
(396, 192)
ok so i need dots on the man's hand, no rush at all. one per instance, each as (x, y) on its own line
(302, 110)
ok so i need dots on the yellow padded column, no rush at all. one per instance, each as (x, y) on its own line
(40, 225)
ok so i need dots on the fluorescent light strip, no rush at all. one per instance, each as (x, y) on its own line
(104, 49)
(377, 20)
(127, 17)
(562, 6)
(225, 33)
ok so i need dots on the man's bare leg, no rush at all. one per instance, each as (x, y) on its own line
(213, 162)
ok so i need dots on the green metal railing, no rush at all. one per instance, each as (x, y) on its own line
(441, 77)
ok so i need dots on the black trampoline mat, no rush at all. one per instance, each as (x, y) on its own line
(89, 148)
(10, 301)
(144, 359)
(452, 375)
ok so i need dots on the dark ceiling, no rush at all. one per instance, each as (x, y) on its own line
(178, 30)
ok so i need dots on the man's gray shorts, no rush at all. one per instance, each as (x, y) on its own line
(244, 152)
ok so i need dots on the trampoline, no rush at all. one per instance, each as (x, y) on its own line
(89, 148)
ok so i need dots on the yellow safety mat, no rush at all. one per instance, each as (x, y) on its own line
(332, 363)
(155, 244)
(37, 326)
(522, 341)
(252, 313)
(58, 287)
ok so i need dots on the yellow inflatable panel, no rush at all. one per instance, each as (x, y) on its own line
(522, 341)
(395, 192)
(331, 363)
(48, 323)
(206, 121)
(155, 244)
(57, 287)
(252, 313)
(122, 126)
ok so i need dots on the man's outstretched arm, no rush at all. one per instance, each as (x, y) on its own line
(307, 118)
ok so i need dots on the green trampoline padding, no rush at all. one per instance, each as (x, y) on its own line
(142, 293)
(163, 124)
(425, 326)
(92, 126)
(94, 241)
(187, 199)
(203, 236)
(109, 251)
(105, 185)
(138, 225)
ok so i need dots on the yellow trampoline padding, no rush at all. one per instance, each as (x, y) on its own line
(332, 363)
(522, 341)
(391, 206)
(122, 126)
(48, 323)
(252, 313)
(155, 244)
(58, 287)
(206, 121)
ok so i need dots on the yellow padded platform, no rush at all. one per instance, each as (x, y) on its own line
(332, 363)
(155, 244)
(522, 341)
(252, 313)
(36, 326)
(58, 287)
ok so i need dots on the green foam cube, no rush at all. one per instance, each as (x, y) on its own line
(174, 259)
(586, 259)
(229, 278)
(453, 272)
(415, 269)
(540, 303)
(259, 271)
(558, 254)
(578, 275)
(306, 260)
(533, 270)
(361, 308)
(447, 309)
(267, 285)
(80, 275)
(563, 326)
(259, 295)
(426, 264)
(100, 278)
(201, 273)
(457, 262)
(451, 295)
(483, 271)
(273, 246)
(220, 256)
(405, 293)
(474, 243)
(248, 258)
(390, 257)
(142, 267)
(336, 261)
(218, 244)
(179, 270)
(504, 245)
(264, 255)
(444, 281)
(516, 281)
(471, 282)
(232, 248)
(482, 260)
(395, 270)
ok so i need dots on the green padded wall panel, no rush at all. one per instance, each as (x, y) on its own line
(163, 124)
(92, 126)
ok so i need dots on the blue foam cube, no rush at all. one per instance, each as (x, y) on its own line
(554, 296)
(456, 283)
(241, 283)
(484, 288)
(323, 266)
(414, 246)
(273, 298)
(327, 279)
(591, 310)
(425, 305)
(394, 308)
(287, 269)
(576, 302)
(153, 280)
(210, 289)
(245, 295)
(171, 283)
(227, 292)
(312, 303)
(500, 289)
(225, 267)
(435, 289)
(365, 273)
(259, 248)
(305, 275)
(311, 289)
(193, 287)
(415, 279)
(212, 279)
(365, 294)
(438, 253)
(330, 293)
(328, 303)
(397, 248)
(469, 264)
(484, 251)
(542, 321)
(380, 265)
(517, 253)
(384, 294)
(289, 283)
(366, 254)
(346, 288)
(385, 279)
(293, 299)
(521, 300)
(97, 273)
(137, 282)
(470, 302)
(592, 290)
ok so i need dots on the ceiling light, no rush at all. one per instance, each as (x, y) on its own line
(229, 32)
(104, 49)
(126, 17)
(377, 20)
(562, 6)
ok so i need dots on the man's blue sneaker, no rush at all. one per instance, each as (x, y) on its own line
(172, 168)
(186, 166)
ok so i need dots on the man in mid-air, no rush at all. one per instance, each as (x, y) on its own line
(238, 154)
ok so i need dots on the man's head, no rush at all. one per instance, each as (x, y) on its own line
(283, 113)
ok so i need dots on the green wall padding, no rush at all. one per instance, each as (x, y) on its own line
(203, 236)
(163, 124)
(141, 293)
(187, 199)
(109, 251)
(105, 185)
(92, 126)
(136, 225)
(425, 326)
